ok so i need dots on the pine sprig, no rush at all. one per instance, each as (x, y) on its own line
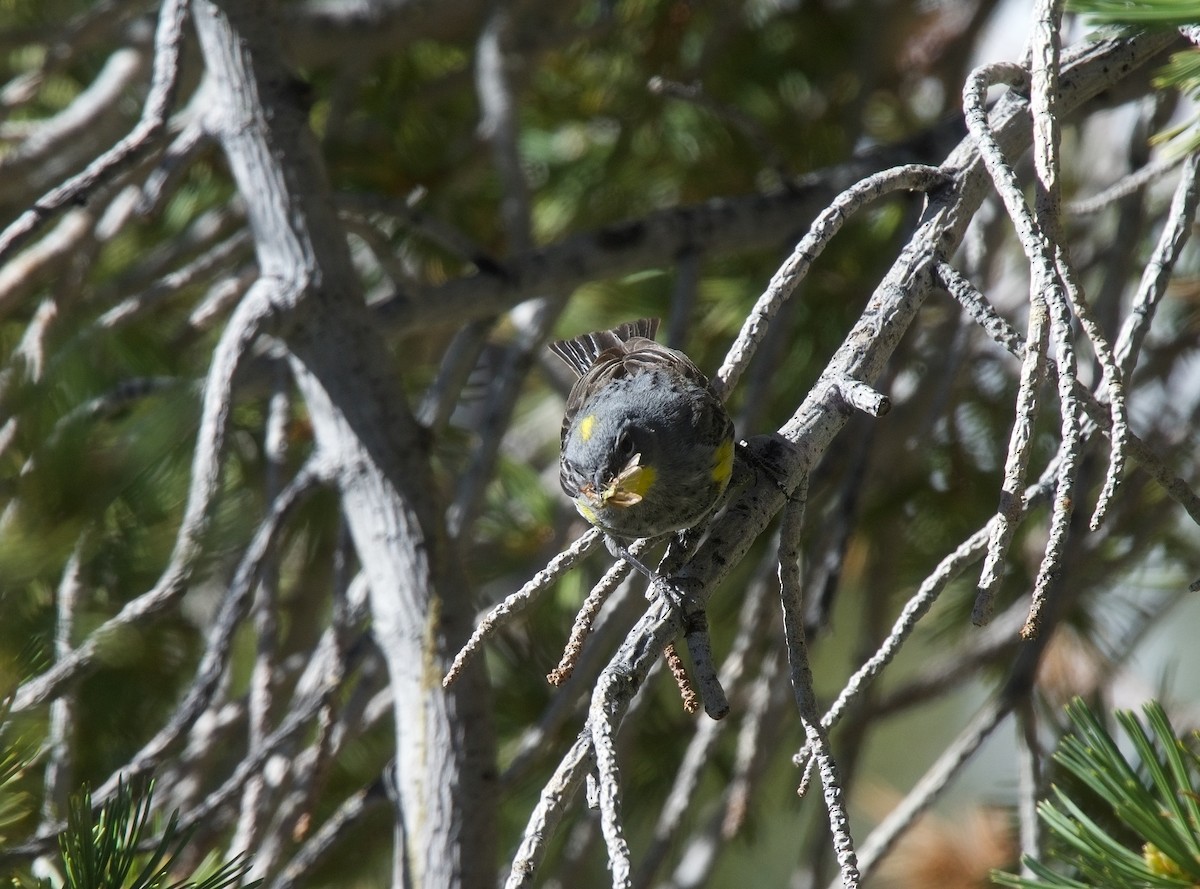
(1154, 796)
(1145, 12)
(1182, 72)
(15, 757)
(102, 848)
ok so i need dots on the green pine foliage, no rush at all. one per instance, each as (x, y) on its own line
(1151, 793)
(109, 848)
(1139, 12)
(15, 803)
(1182, 73)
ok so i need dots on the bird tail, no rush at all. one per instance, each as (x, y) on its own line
(582, 351)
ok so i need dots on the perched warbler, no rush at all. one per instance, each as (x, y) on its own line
(647, 446)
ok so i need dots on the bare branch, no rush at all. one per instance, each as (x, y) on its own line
(584, 619)
(1033, 366)
(1153, 285)
(603, 729)
(802, 687)
(792, 272)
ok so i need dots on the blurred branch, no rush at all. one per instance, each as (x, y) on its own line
(151, 126)
(242, 331)
(48, 149)
(261, 697)
(1128, 185)
(66, 42)
(720, 225)
(348, 815)
(60, 765)
(1029, 760)
(215, 661)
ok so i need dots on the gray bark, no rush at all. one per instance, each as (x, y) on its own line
(419, 600)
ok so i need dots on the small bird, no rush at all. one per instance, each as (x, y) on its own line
(647, 446)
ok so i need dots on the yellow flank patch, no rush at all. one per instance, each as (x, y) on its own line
(586, 426)
(722, 467)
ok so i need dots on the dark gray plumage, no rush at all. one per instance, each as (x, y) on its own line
(646, 446)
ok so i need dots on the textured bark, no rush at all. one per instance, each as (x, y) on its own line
(419, 602)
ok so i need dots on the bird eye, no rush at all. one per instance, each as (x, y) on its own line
(625, 445)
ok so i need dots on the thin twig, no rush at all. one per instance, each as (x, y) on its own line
(454, 371)
(1112, 390)
(1004, 334)
(202, 268)
(584, 619)
(546, 815)
(750, 747)
(792, 602)
(405, 211)
(1048, 314)
(571, 698)
(912, 177)
(533, 321)
(1041, 251)
(1156, 275)
(1128, 185)
(187, 145)
(950, 567)
(520, 600)
(930, 787)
